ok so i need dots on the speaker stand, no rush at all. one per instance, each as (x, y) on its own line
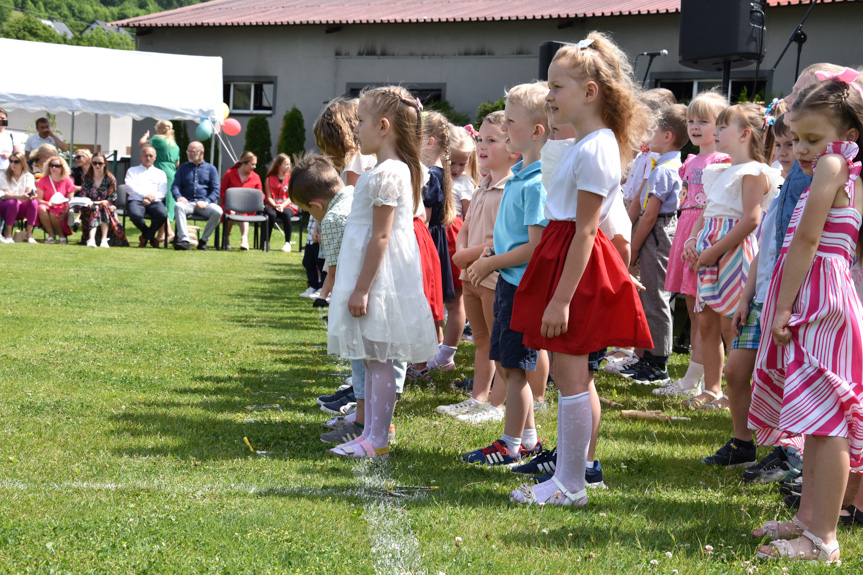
(797, 36)
(646, 72)
(726, 79)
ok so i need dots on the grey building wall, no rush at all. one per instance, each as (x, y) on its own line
(474, 61)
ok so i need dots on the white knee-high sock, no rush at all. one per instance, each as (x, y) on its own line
(574, 425)
(380, 402)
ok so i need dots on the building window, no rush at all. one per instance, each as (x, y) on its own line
(686, 89)
(249, 97)
(427, 93)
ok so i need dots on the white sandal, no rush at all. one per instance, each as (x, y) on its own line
(823, 552)
(771, 528)
(568, 499)
(696, 402)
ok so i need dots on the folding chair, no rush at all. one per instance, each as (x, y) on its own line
(246, 201)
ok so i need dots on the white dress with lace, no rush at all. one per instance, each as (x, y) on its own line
(398, 323)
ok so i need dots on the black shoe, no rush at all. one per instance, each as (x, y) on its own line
(343, 391)
(792, 501)
(651, 374)
(734, 453)
(182, 246)
(635, 368)
(793, 486)
(335, 407)
(543, 463)
(203, 246)
(780, 465)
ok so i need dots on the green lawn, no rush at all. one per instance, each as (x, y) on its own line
(126, 378)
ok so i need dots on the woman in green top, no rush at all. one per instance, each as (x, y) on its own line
(167, 160)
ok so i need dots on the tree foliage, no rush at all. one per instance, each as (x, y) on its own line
(292, 139)
(259, 142)
(487, 108)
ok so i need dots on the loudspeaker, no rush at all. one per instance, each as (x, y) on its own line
(713, 32)
(547, 50)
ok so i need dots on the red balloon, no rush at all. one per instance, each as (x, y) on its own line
(231, 127)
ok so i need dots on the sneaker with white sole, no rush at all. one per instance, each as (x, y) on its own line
(342, 434)
(481, 413)
(308, 293)
(104, 244)
(497, 454)
(616, 365)
(91, 243)
(456, 408)
(5, 240)
(680, 388)
(286, 247)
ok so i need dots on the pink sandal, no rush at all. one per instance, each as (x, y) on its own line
(361, 448)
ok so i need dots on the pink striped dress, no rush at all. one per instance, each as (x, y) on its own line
(814, 384)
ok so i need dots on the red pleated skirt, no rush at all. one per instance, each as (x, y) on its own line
(451, 235)
(605, 310)
(430, 262)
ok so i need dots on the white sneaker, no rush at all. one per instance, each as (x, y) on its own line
(481, 413)
(104, 244)
(244, 245)
(286, 247)
(308, 293)
(91, 243)
(32, 240)
(616, 365)
(456, 408)
(5, 240)
(315, 294)
(680, 388)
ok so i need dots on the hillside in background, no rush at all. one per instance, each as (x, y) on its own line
(19, 19)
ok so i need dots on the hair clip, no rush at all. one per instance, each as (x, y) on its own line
(847, 76)
(582, 44)
(471, 131)
(769, 118)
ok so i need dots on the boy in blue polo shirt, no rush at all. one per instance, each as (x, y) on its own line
(517, 232)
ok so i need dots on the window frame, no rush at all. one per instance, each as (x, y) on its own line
(252, 81)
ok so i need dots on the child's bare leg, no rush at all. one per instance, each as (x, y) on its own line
(738, 377)
(712, 353)
(519, 406)
(539, 378)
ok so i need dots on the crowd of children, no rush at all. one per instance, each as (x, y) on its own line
(522, 229)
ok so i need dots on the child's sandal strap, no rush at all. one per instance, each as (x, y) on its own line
(824, 550)
(571, 498)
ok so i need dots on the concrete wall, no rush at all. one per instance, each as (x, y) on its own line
(476, 61)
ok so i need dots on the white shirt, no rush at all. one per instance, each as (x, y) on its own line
(591, 165)
(359, 163)
(617, 223)
(19, 186)
(641, 166)
(34, 141)
(462, 189)
(7, 146)
(723, 185)
(145, 181)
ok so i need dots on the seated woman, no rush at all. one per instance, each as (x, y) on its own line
(38, 157)
(100, 186)
(53, 192)
(277, 204)
(82, 164)
(19, 197)
(241, 175)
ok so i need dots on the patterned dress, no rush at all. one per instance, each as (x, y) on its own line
(814, 384)
(92, 216)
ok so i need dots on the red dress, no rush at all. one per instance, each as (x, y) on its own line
(232, 180)
(430, 263)
(451, 235)
(605, 309)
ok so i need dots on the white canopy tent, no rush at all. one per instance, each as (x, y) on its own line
(116, 82)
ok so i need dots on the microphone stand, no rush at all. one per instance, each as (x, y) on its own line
(647, 71)
(797, 36)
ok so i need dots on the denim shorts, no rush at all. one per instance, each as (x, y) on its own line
(506, 345)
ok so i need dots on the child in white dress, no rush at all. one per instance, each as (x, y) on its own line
(378, 311)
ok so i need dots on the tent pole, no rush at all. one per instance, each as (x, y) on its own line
(96, 135)
(72, 140)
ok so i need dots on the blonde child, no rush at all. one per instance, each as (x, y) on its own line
(334, 135)
(701, 117)
(476, 234)
(808, 372)
(517, 230)
(575, 275)
(723, 243)
(378, 312)
(463, 166)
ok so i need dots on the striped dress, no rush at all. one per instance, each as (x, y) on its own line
(721, 285)
(812, 385)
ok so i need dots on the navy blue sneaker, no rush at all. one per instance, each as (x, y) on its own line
(544, 462)
(592, 476)
(649, 374)
(781, 464)
(635, 368)
(734, 453)
(495, 454)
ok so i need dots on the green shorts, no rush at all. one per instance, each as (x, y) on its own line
(750, 331)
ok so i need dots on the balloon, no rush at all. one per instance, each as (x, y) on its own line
(226, 111)
(231, 127)
(204, 130)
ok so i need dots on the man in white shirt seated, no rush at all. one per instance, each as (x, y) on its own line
(44, 135)
(147, 188)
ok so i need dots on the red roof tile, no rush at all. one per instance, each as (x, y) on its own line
(336, 12)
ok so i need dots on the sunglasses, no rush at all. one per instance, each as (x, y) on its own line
(79, 157)
(97, 163)
(58, 166)
(14, 161)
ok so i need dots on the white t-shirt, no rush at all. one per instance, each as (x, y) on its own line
(34, 141)
(617, 223)
(637, 175)
(462, 189)
(7, 146)
(145, 181)
(19, 186)
(723, 186)
(359, 164)
(591, 165)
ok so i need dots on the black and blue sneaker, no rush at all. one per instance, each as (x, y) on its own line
(342, 392)
(592, 477)
(781, 464)
(635, 368)
(543, 462)
(734, 453)
(648, 373)
(495, 454)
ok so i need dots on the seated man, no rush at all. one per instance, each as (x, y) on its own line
(44, 135)
(196, 189)
(148, 187)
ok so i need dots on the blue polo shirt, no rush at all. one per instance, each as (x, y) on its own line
(795, 184)
(522, 205)
(196, 183)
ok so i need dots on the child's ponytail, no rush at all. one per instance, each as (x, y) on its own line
(436, 126)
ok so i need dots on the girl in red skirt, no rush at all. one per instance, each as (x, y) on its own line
(575, 273)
